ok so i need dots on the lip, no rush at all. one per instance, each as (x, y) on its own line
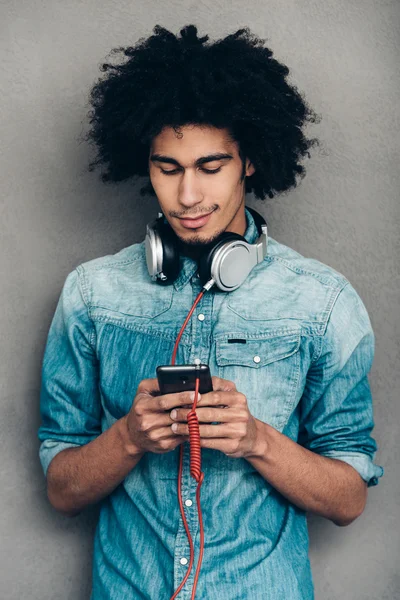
(196, 223)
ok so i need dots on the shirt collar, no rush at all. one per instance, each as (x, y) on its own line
(188, 266)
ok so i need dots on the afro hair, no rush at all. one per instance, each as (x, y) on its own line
(234, 83)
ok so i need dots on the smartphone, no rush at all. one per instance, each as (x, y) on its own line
(182, 378)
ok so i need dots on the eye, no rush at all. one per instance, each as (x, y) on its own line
(174, 171)
(169, 172)
(211, 170)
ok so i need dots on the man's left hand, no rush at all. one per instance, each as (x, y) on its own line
(237, 433)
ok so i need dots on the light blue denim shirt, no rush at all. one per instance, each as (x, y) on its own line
(315, 344)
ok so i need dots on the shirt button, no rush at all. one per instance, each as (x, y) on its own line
(183, 561)
(201, 317)
(188, 502)
(256, 359)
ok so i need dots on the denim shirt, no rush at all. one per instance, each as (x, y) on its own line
(308, 347)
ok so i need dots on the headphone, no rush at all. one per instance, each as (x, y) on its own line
(226, 262)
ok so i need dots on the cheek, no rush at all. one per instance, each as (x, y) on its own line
(231, 181)
(163, 186)
(155, 178)
(227, 189)
(223, 185)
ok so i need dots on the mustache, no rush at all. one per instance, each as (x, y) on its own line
(190, 215)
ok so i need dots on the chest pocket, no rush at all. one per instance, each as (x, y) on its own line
(266, 369)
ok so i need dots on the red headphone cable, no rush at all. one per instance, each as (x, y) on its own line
(195, 459)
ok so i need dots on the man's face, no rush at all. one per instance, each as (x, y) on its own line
(197, 203)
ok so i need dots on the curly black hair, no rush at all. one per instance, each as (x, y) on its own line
(233, 83)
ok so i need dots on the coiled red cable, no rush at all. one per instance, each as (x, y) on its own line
(195, 465)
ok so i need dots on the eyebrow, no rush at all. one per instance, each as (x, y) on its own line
(200, 161)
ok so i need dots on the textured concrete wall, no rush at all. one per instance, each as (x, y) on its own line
(345, 56)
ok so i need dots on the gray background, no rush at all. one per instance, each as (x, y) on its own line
(344, 55)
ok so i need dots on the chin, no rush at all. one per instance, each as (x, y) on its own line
(197, 240)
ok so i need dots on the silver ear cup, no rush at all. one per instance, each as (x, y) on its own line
(154, 253)
(233, 262)
(231, 265)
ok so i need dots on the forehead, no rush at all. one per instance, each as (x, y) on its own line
(192, 141)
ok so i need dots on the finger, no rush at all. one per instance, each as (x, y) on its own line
(162, 433)
(209, 415)
(223, 385)
(148, 386)
(150, 422)
(224, 445)
(169, 401)
(207, 431)
(222, 398)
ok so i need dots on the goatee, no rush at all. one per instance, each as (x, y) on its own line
(197, 246)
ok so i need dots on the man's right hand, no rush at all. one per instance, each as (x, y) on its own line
(149, 422)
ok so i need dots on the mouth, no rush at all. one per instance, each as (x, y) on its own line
(195, 223)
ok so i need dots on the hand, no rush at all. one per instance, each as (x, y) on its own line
(237, 433)
(148, 421)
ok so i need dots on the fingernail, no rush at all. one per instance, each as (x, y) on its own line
(174, 426)
(192, 395)
(173, 414)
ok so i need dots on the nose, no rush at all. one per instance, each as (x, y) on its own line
(190, 192)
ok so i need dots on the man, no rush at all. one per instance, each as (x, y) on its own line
(290, 349)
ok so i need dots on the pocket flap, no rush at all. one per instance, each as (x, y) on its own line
(235, 349)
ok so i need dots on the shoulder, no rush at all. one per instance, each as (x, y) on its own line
(344, 308)
(290, 261)
(290, 288)
(102, 277)
(117, 287)
(117, 261)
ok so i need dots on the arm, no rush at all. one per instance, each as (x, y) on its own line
(78, 477)
(325, 486)
(82, 464)
(329, 470)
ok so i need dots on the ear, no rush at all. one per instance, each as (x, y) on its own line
(250, 169)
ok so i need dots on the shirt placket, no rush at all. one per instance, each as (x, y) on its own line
(200, 344)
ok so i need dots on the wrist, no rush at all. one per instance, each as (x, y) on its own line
(261, 444)
(130, 448)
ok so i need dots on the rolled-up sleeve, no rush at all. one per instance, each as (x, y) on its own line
(336, 406)
(69, 398)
